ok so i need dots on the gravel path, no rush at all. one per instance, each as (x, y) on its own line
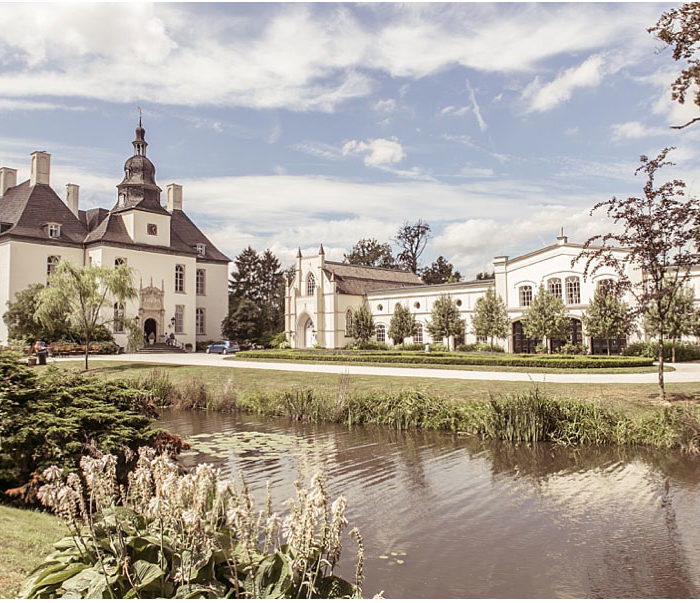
(684, 373)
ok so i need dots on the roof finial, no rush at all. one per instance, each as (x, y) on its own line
(139, 110)
(562, 231)
(320, 250)
(299, 253)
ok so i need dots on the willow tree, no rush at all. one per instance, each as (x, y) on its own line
(546, 317)
(490, 316)
(87, 296)
(653, 248)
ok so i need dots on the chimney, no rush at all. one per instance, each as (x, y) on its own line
(72, 198)
(562, 239)
(174, 196)
(8, 179)
(40, 168)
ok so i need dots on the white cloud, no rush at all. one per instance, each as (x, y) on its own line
(387, 105)
(376, 152)
(572, 131)
(451, 110)
(318, 149)
(11, 104)
(476, 109)
(543, 97)
(634, 129)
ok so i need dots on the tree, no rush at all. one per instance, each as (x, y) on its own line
(412, 239)
(681, 319)
(402, 324)
(369, 252)
(546, 317)
(362, 328)
(607, 316)
(445, 320)
(680, 28)
(485, 276)
(440, 271)
(242, 321)
(490, 316)
(83, 293)
(22, 323)
(659, 234)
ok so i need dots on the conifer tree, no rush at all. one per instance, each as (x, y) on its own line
(362, 328)
(402, 324)
(607, 317)
(444, 319)
(546, 317)
(490, 316)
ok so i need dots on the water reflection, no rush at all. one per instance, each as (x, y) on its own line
(469, 518)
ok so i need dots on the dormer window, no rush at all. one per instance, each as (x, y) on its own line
(152, 229)
(53, 230)
(122, 199)
(201, 249)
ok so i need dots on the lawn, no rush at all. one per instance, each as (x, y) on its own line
(25, 539)
(623, 395)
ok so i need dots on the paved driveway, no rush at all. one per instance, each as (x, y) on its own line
(684, 373)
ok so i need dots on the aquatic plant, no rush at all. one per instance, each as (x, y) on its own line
(191, 535)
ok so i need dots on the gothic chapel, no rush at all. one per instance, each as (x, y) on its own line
(180, 275)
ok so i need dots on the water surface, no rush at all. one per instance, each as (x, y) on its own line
(466, 518)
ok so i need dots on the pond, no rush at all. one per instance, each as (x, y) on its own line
(444, 515)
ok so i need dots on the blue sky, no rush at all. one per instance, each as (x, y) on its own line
(299, 124)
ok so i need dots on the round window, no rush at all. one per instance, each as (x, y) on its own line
(416, 305)
(459, 302)
(380, 307)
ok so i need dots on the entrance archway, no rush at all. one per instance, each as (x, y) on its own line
(309, 334)
(574, 335)
(150, 327)
(521, 344)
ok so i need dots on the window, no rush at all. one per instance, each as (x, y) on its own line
(201, 281)
(380, 307)
(118, 318)
(152, 229)
(482, 339)
(525, 296)
(51, 263)
(179, 319)
(199, 321)
(437, 339)
(554, 286)
(416, 305)
(122, 200)
(201, 249)
(120, 261)
(573, 290)
(381, 333)
(348, 322)
(459, 303)
(310, 284)
(53, 230)
(179, 278)
(606, 284)
(418, 334)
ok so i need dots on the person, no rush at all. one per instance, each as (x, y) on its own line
(41, 352)
(152, 338)
(172, 338)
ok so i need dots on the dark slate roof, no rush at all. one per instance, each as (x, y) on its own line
(28, 209)
(185, 235)
(359, 280)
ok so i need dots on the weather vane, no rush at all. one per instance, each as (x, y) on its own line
(139, 110)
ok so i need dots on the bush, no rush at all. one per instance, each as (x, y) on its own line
(51, 418)
(187, 536)
(368, 345)
(480, 347)
(409, 347)
(571, 349)
(278, 340)
(437, 347)
(685, 351)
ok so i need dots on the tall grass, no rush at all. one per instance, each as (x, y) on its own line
(529, 416)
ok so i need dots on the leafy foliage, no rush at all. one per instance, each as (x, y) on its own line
(242, 321)
(50, 418)
(22, 324)
(682, 318)
(412, 239)
(607, 316)
(444, 319)
(545, 317)
(440, 271)
(659, 232)
(490, 317)
(362, 328)
(187, 536)
(369, 252)
(681, 351)
(402, 324)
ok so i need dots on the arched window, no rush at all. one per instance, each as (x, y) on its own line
(179, 278)
(554, 286)
(201, 281)
(606, 284)
(348, 322)
(437, 339)
(418, 333)
(381, 333)
(199, 321)
(310, 284)
(118, 318)
(120, 262)
(525, 295)
(51, 263)
(573, 290)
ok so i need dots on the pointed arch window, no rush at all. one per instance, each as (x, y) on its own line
(51, 263)
(554, 286)
(381, 333)
(348, 322)
(573, 290)
(418, 333)
(310, 284)
(525, 293)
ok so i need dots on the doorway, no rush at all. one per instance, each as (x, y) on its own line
(150, 330)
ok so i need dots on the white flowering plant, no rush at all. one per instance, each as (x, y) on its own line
(170, 534)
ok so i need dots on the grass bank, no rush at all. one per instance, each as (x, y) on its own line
(26, 538)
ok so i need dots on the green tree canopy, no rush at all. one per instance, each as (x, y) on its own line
(22, 323)
(83, 293)
(363, 327)
(440, 271)
(546, 317)
(444, 319)
(242, 321)
(412, 239)
(607, 316)
(369, 252)
(490, 317)
(681, 319)
(402, 324)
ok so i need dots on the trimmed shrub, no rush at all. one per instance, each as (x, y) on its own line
(368, 345)
(685, 351)
(480, 347)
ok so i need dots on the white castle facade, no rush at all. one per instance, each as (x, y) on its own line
(181, 277)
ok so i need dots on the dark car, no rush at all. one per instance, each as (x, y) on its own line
(223, 347)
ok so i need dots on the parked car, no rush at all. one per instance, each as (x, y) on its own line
(223, 347)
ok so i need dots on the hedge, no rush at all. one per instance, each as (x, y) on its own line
(552, 361)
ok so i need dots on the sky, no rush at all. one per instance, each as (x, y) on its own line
(292, 125)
